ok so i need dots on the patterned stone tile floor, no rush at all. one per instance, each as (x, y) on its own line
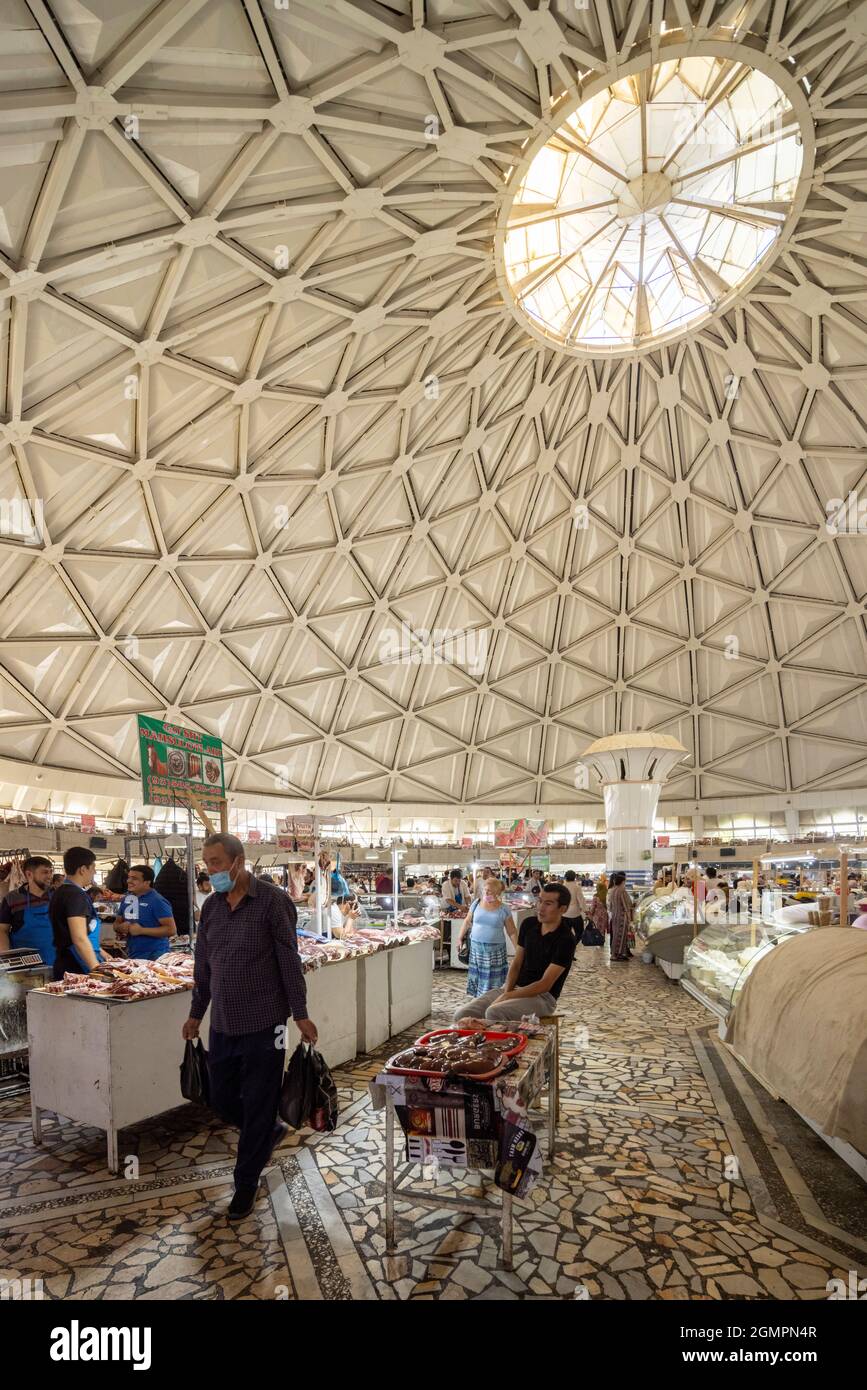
(675, 1177)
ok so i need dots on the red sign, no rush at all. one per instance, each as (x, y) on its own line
(88, 824)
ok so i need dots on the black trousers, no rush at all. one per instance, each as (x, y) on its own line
(245, 1073)
(577, 925)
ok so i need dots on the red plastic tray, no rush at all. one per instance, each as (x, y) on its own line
(520, 1038)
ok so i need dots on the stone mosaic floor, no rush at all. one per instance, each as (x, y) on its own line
(675, 1177)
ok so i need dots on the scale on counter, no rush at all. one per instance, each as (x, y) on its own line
(21, 970)
(20, 958)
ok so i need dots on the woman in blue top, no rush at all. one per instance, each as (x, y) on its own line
(488, 921)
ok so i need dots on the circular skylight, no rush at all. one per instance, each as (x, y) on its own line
(652, 204)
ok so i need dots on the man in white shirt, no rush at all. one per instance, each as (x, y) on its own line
(456, 890)
(577, 909)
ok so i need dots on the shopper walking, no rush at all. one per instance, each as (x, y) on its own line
(384, 884)
(577, 909)
(488, 923)
(544, 955)
(598, 912)
(248, 970)
(621, 914)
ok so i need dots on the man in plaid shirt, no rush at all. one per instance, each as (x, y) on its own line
(248, 970)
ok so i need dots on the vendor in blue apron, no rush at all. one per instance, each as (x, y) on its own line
(144, 917)
(24, 912)
(73, 920)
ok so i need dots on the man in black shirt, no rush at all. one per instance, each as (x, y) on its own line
(73, 920)
(546, 948)
(248, 971)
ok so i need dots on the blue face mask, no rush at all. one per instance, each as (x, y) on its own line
(222, 882)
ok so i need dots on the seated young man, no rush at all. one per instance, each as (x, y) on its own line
(546, 948)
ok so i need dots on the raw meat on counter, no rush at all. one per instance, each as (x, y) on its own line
(363, 941)
(129, 979)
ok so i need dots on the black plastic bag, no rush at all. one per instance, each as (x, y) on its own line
(194, 1074)
(116, 882)
(171, 883)
(592, 936)
(308, 1098)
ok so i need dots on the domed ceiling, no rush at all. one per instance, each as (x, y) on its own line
(285, 459)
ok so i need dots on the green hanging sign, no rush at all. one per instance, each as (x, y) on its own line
(176, 762)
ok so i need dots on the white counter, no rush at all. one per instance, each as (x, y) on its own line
(410, 984)
(372, 1016)
(332, 1004)
(105, 1064)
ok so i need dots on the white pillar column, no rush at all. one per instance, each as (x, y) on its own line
(632, 769)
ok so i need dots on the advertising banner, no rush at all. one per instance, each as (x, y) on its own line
(176, 761)
(304, 830)
(535, 834)
(508, 834)
(520, 834)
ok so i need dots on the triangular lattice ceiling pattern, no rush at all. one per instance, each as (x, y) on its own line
(232, 258)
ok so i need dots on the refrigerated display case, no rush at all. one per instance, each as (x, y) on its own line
(719, 960)
(654, 914)
(413, 909)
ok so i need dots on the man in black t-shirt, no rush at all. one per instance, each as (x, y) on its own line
(546, 948)
(73, 920)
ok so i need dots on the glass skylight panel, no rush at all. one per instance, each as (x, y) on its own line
(613, 214)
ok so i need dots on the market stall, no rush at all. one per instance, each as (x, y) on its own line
(393, 980)
(105, 1048)
(453, 1121)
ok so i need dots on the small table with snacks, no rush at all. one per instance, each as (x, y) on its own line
(471, 1122)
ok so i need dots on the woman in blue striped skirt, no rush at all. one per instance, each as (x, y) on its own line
(488, 921)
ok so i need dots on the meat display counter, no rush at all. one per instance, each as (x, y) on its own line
(413, 909)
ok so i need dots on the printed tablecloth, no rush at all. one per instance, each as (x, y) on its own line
(473, 1124)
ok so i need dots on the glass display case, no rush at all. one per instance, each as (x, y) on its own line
(518, 901)
(719, 960)
(413, 909)
(655, 913)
